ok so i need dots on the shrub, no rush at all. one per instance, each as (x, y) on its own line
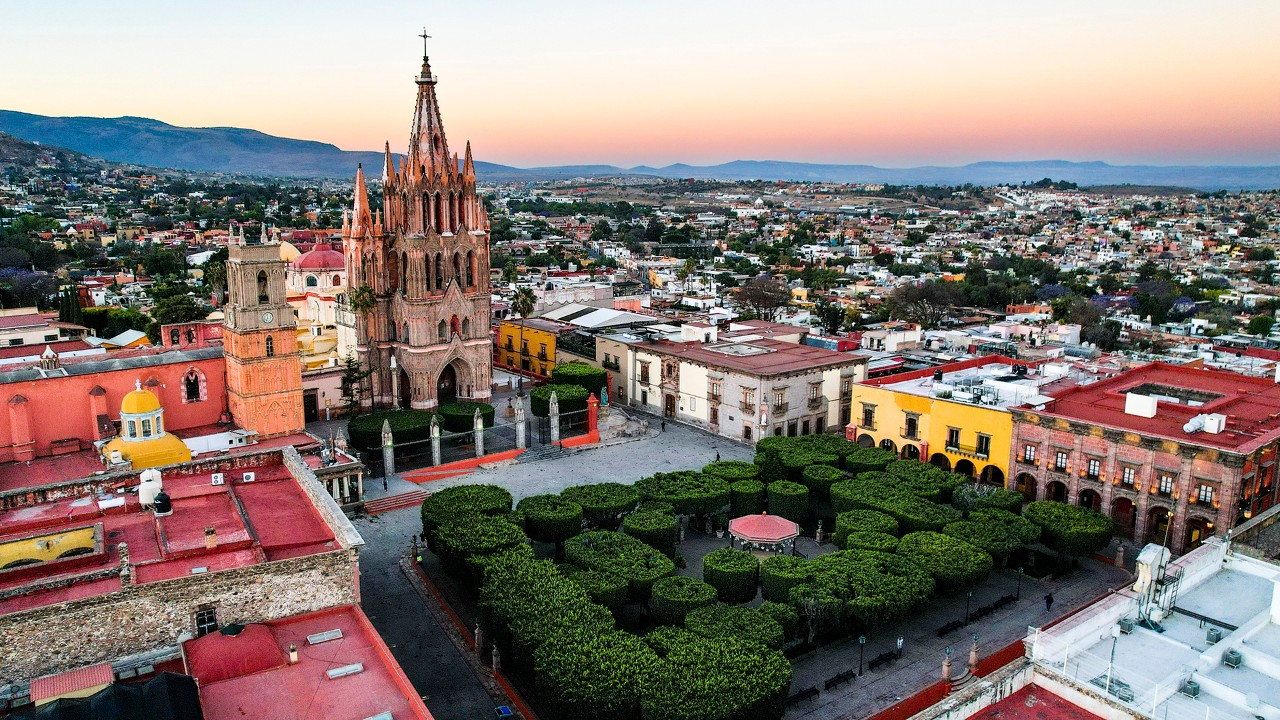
(819, 479)
(676, 596)
(998, 532)
(714, 679)
(780, 573)
(879, 491)
(795, 461)
(972, 496)
(771, 469)
(928, 481)
(954, 564)
(880, 542)
(784, 615)
(604, 588)
(1070, 529)
(732, 470)
(746, 497)
(550, 518)
(868, 459)
(872, 588)
(690, 493)
(570, 398)
(656, 506)
(728, 621)
(605, 551)
(584, 676)
(735, 574)
(657, 529)
(789, 500)
(603, 504)
(365, 431)
(454, 503)
(588, 377)
(461, 416)
(851, 521)
(470, 535)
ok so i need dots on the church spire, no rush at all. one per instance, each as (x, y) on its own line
(388, 172)
(468, 166)
(361, 219)
(427, 143)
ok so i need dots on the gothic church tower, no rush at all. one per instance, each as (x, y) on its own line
(419, 271)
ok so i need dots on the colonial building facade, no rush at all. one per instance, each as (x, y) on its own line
(418, 272)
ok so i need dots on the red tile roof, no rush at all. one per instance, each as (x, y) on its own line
(1033, 703)
(71, 681)
(782, 357)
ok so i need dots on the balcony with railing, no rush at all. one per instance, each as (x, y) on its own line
(611, 365)
(817, 403)
(972, 451)
(910, 433)
(713, 397)
(867, 424)
(780, 407)
(745, 406)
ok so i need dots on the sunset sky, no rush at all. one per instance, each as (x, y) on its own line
(908, 82)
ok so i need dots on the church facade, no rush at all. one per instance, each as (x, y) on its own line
(418, 272)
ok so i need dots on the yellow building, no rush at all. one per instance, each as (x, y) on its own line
(143, 441)
(954, 416)
(528, 344)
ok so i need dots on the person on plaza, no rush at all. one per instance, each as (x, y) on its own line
(664, 426)
(717, 456)
(1048, 602)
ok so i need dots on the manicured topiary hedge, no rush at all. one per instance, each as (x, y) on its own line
(459, 540)
(1070, 529)
(605, 551)
(972, 496)
(868, 460)
(585, 676)
(880, 542)
(878, 491)
(603, 504)
(807, 449)
(691, 493)
(795, 461)
(851, 521)
(954, 564)
(365, 431)
(604, 588)
(735, 574)
(928, 481)
(550, 518)
(674, 597)
(738, 623)
(657, 529)
(588, 377)
(746, 497)
(780, 573)
(714, 679)
(872, 588)
(998, 532)
(732, 470)
(789, 500)
(570, 398)
(784, 615)
(656, 506)
(454, 503)
(461, 416)
(819, 479)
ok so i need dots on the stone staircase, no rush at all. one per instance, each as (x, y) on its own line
(963, 681)
(543, 452)
(413, 498)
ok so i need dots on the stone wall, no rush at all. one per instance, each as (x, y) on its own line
(139, 618)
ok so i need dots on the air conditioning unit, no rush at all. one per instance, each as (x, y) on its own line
(1213, 636)
(1126, 625)
(249, 477)
(1190, 688)
(1233, 659)
(219, 479)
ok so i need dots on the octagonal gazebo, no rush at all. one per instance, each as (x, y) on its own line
(763, 532)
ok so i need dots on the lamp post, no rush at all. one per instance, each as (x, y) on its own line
(862, 646)
(899, 642)
(1021, 572)
(967, 599)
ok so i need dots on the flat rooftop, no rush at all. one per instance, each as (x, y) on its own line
(269, 518)
(991, 381)
(352, 675)
(1033, 703)
(1250, 404)
(756, 357)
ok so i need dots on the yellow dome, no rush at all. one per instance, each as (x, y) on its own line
(288, 252)
(163, 449)
(139, 401)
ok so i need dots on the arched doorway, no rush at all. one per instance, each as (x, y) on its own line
(1124, 512)
(940, 460)
(910, 452)
(965, 468)
(1198, 530)
(1057, 491)
(669, 406)
(992, 475)
(447, 386)
(406, 390)
(1090, 499)
(1025, 483)
(865, 440)
(1158, 525)
(891, 446)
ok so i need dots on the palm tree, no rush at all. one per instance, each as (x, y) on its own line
(523, 304)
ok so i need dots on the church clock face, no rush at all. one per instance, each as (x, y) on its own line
(267, 317)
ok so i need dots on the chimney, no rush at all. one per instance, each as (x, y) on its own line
(293, 653)
(211, 537)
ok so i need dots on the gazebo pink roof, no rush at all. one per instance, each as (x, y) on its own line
(763, 528)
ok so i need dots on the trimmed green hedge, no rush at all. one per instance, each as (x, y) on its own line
(795, 461)
(689, 492)
(604, 588)
(1070, 529)
(588, 377)
(461, 416)
(803, 450)
(457, 541)
(819, 479)
(972, 496)
(954, 564)
(605, 551)
(570, 398)
(585, 676)
(880, 491)
(735, 574)
(928, 481)
(550, 518)
(676, 596)
(657, 529)
(603, 504)
(860, 588)
(784, 615)
(746, 497)
(714, 679)
(365, 431)
(453, 503)
(656, 506)
(868, 460)
(728, 621)
(851, 521)
(732, 470)
(780, 573)
(789, 500)
(863, 540)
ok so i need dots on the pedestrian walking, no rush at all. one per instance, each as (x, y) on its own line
(1048, 602)
(664, 426)
(717, 456)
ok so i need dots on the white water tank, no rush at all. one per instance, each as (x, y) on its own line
(151, 486)
(1139, 405)
(1215, 423)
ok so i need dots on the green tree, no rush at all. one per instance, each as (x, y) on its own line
(171, 310)
(1261, 325)
(352, 383)
(830, 315)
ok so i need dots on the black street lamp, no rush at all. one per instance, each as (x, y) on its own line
(1021, 571)
(900, 639)
(862, 646)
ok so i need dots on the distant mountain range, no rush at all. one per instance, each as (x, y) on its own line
(144, 141)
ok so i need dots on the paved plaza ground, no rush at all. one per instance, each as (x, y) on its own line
(453, 690)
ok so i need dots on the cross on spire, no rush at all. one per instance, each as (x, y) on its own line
(424, 37)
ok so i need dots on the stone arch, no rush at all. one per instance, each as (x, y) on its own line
(992, 475)
(1025, 483)
(866, 440)
(466, 328)
(335, 281)
(891, 446)
(940, 460)
(458, 372)
(455, 326)
(194, 386)
(438, 214)
(966, 468)
(1199, 529)
(442, 332)
(271, 346)
(1159, 519)
(910, 452)
(404, 332)
(428, 277)
(1125, 513)
(264, 296)
(1056, 490)
(312, 281)
(404, 273)
(1090, 499)
(458, 275)
(471, 268)
(439, 271)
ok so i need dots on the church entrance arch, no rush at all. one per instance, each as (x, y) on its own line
(447, 386)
